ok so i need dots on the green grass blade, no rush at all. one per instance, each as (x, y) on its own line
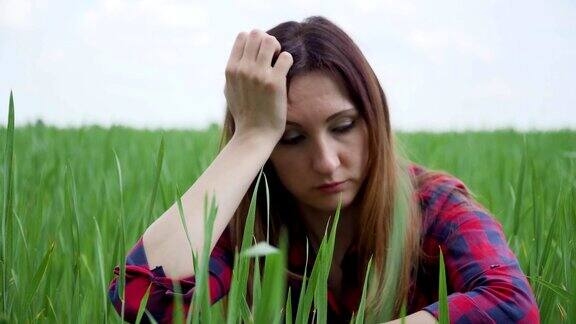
(362, 305)
(150, 317)
(39, 275)
(516, 217)
(178, 311)
(194, 310)
(196, 298)
(122, 245)
(273, 284)
(233, 304)
(157, 173)
(245, 314)
(327, 252)
(288, 312)
(143, 304)
(256, 285)
(73, 212)
(7, 213)
(560, 291)
(267, 208)
(202, 288)
(303, 310)
(200, 309)
(100, 259)
(22, 235)
(444, 315)
(316, 290)
(240, 275)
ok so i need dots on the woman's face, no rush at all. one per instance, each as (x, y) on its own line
(325, 141)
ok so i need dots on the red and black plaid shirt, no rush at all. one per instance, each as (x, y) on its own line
(485, 282)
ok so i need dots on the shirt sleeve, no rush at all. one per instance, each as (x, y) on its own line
(161, 298)
(485, 282)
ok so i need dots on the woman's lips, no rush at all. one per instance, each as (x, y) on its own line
(331, 188)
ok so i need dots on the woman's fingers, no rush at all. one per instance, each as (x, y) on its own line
(252, 45)
(255, 90)
(269, 46)
(255, 46)
(237, 50)
(283, 63)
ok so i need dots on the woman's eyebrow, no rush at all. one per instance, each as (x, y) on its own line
(341, 112)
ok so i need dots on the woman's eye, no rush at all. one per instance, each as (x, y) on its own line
(291, 140)
(296, 139)
(344, 128)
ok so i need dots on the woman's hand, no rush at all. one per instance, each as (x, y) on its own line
(255, 90)
(420, 317)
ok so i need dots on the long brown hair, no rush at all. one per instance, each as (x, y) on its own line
(317, 44)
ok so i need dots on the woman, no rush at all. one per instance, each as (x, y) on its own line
(315, 117)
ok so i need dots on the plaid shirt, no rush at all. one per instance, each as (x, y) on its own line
(485, 282)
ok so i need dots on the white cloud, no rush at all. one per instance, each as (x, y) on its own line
(156, 13)
(114, 7)
(436, 44)
(50, 56)
(16, 14)
(154, 31)
(391, 7)
(495, 88)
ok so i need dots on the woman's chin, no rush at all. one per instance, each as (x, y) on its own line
(330, 204)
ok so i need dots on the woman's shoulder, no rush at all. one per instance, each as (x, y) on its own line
(433, 186)
(443, 197)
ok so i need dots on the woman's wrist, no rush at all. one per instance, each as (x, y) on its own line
(257, 139)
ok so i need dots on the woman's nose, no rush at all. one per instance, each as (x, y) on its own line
(325, 158)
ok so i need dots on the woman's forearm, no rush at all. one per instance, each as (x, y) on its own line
(229, 177)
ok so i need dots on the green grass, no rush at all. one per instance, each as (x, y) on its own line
(75, 200)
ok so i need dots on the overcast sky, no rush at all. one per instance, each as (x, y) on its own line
(444, 65)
